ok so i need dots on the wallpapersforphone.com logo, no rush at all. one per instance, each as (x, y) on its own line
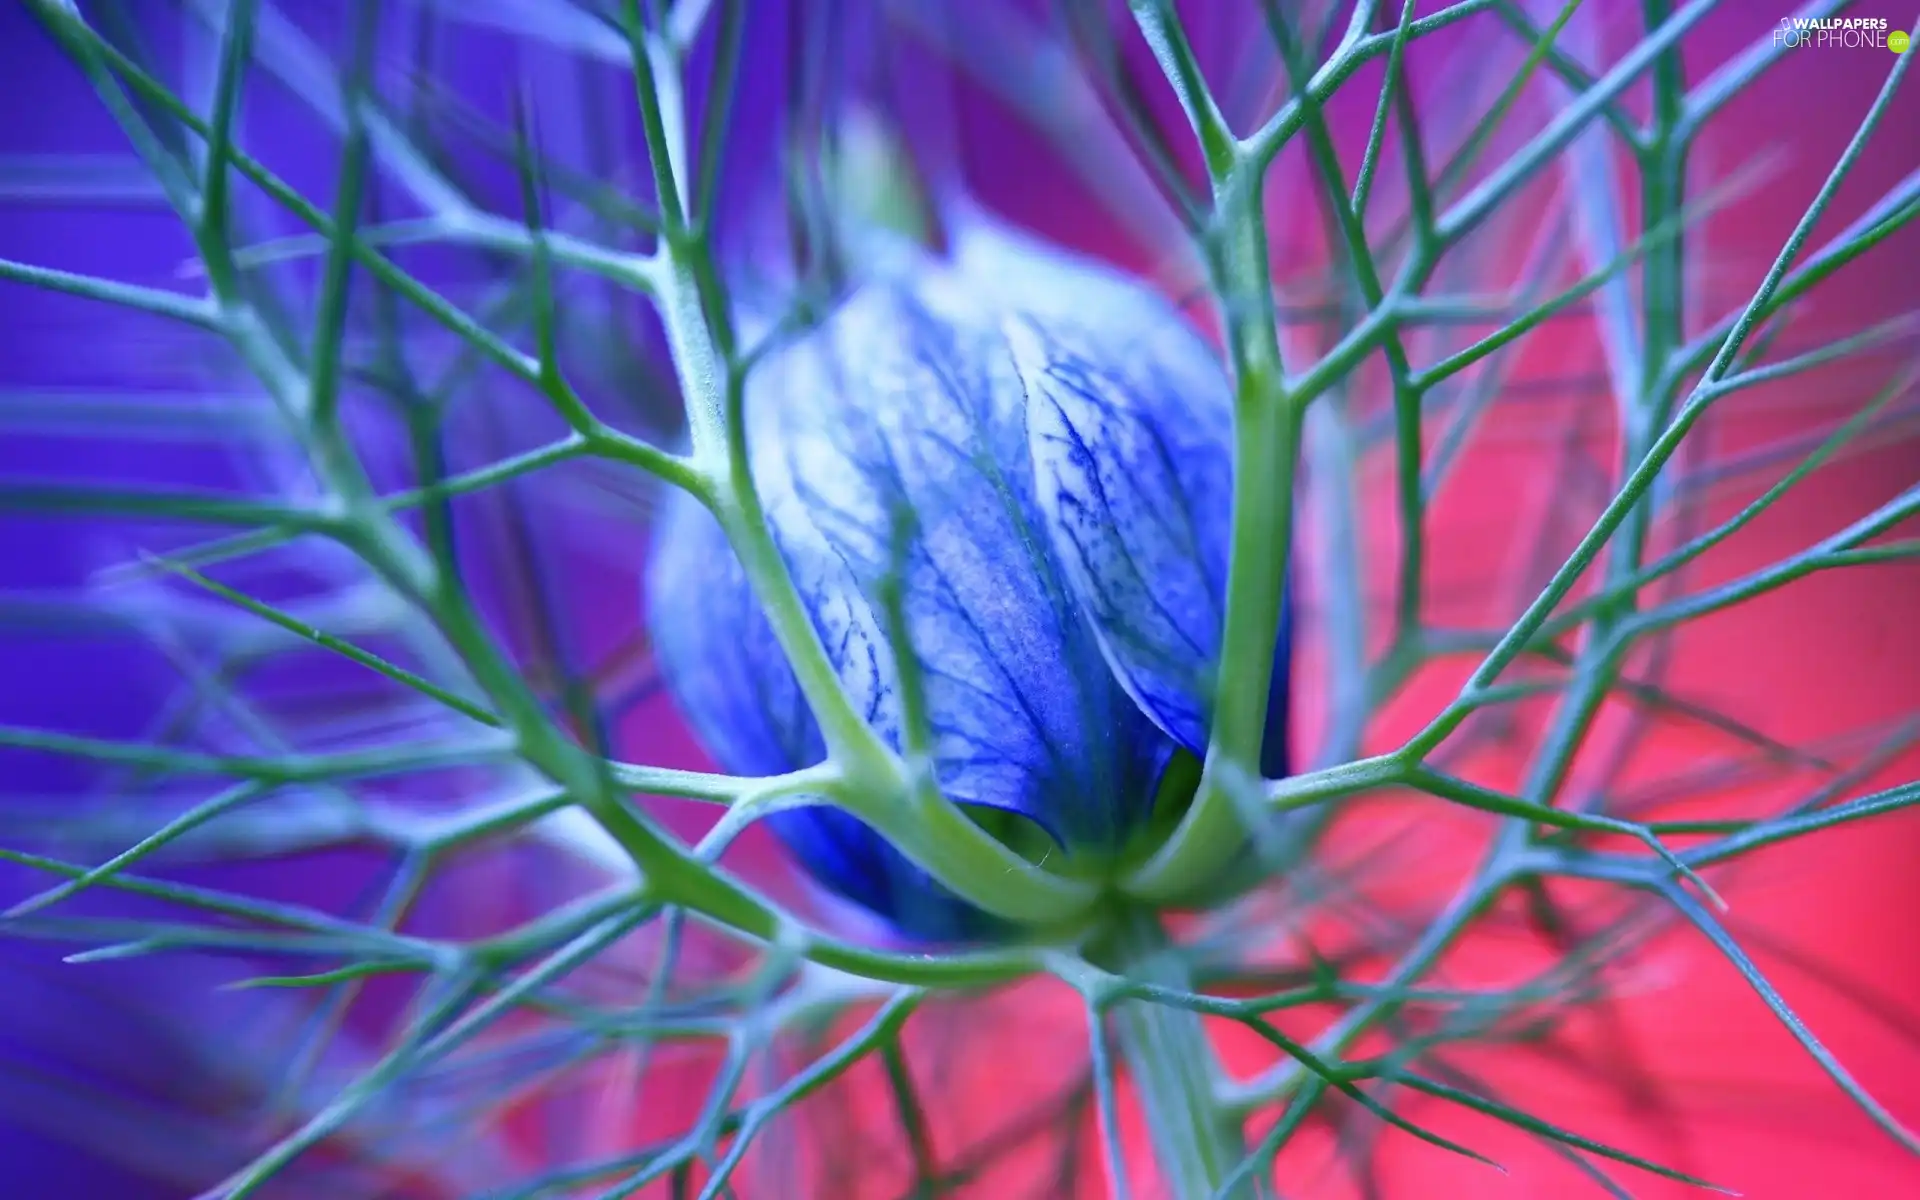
(1868, 33)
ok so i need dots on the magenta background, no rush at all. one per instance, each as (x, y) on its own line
(1833, 654)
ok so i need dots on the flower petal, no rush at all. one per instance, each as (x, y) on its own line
(1130, 430)
(1276, 755)
(727, 673)
(1003, 269)
(904, 412)
(717, 653)
(860, 865)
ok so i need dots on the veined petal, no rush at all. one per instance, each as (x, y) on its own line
(717, 652)
(1134, 479)
(726, 671)
(1130, 428)
(903, 413)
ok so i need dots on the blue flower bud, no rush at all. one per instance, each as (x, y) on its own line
(1040, 453)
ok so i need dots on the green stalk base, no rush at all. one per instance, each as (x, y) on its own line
(1171, 1062)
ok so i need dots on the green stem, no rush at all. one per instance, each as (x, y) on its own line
(911, 813)
(1268, 424)
(1662, 188)
(1198, 1141)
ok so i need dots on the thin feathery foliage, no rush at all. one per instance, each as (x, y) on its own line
(384, 546)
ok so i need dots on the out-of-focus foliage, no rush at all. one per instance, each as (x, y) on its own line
(466, 286)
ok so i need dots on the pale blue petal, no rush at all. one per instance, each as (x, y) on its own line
(999, 268)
